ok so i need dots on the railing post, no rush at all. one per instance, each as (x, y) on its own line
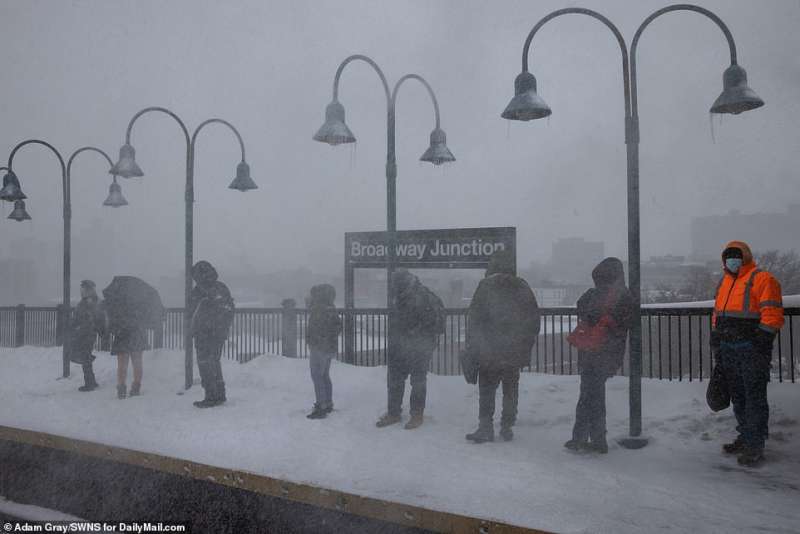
(19, 335)
(289, 328)
(60, 324)
(349, 331)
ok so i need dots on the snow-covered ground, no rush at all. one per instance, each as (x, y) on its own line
(680, 482)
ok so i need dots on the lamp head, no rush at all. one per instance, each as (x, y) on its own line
(19, 214)
(334, 131)
(126, 165)
(115, 198)
(526, 104)
(438, 152)
(11, 188)
(736, 96)
(243, 182)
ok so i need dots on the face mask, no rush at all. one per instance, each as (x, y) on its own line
(733, 264)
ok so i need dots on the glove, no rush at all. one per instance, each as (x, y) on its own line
(762, 342)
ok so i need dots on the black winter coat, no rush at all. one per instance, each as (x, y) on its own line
(86, 324)
(504, 321)
(413, 324)
(323, 330)
(212, 311)
(609, 280)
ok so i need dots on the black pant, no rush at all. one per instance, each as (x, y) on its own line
(88, 374)
(590, 413)
(400, 367)
(747, 373)
(489, 377)
(209, 353)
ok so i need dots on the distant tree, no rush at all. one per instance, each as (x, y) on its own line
(660, 294)
(698, 285)
(785, 266)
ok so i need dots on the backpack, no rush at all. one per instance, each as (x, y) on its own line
(435, 311)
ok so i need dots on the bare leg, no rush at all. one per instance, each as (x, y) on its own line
(136, 360)
(122, 368)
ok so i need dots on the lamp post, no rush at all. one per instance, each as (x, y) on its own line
(12, 192)
(735, 98)
(127, 167)
(335, 132)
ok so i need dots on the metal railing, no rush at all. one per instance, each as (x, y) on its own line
(675, 343)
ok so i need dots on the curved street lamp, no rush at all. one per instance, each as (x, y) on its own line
(12, 192)
(736, 97)
(127, 167)
(335, 132)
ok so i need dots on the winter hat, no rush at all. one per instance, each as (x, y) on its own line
(327, 294)
(204, 273)
(402, 279)
(88, 284)
(609, 272)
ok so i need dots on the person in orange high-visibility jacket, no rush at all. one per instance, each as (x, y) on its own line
(748, 313)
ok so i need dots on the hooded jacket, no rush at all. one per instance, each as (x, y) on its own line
(747, 301)
(416, 318)
(324, 323)
(503, 317)
(211, 304)
(609, 297)
(85, 326)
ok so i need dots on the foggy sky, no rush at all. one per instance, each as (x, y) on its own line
(75, 72)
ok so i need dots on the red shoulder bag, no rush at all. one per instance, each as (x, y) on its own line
(592, 337)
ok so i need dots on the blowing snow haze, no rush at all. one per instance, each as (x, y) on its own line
(75, 73)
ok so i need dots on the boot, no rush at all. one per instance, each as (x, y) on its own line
(600, 446)
(484, 433)
(212, 398)
(329, 408)
(318, 412)
(207, 403)
(415, 422)
(136, 389)
(751, 457)
(735, 447)
(122, 391)
(220, 392)
(506, 433)
(388, 419)
(90, 384)
(577, 445)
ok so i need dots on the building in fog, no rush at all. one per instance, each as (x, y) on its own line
(573, 260)
(762, 231)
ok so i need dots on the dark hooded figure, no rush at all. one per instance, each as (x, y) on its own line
(85, 326)
(610, 301)
(322, 337)
(212, 314)
(415, 324)
(504, 322)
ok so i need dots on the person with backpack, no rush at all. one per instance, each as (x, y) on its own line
(504, 322)
(604, 317)
(322, 337)
(414, 327)
(85, 326)
(212, 314)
